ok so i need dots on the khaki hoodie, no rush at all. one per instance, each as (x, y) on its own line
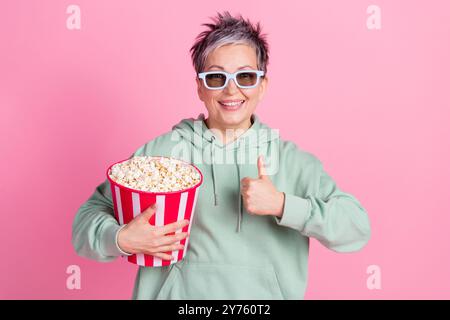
(233, 254)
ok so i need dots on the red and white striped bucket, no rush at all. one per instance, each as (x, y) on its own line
(171, 207)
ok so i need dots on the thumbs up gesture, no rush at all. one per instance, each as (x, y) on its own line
(260, 195)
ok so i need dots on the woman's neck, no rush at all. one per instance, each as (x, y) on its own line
(229, 134)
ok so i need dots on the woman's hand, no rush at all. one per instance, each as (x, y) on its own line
(260, 195)
(139, 236)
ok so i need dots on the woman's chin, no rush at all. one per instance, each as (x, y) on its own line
(235, 120)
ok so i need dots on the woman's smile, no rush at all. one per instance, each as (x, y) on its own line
(232, 105)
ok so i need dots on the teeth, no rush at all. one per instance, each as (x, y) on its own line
(231, 104)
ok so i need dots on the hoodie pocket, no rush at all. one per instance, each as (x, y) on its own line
(191, 280)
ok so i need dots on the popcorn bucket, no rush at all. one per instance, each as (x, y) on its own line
(172, 206)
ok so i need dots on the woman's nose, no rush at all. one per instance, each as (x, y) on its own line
(231, 87)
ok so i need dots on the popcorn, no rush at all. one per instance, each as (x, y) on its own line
(155, 174)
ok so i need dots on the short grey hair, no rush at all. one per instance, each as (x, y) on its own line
(227, 29)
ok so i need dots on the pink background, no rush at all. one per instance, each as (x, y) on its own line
(374, 106)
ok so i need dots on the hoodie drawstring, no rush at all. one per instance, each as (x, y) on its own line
(214, 180)
(240, 202)
(213, 138)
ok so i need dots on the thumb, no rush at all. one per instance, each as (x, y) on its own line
(261, 168)
(149, 212)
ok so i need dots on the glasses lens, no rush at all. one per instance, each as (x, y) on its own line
(215, 80)
(247, 78)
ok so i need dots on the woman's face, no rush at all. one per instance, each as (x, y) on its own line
(231, 58)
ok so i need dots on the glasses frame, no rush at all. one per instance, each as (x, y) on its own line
(231, 76)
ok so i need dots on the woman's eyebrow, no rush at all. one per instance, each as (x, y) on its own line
(216, 66)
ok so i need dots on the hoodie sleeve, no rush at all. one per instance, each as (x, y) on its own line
(335, 218)
(95, 230)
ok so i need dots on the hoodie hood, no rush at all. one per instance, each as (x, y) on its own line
(244, 150)
(196, 131)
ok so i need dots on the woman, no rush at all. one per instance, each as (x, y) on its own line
(254, 216)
